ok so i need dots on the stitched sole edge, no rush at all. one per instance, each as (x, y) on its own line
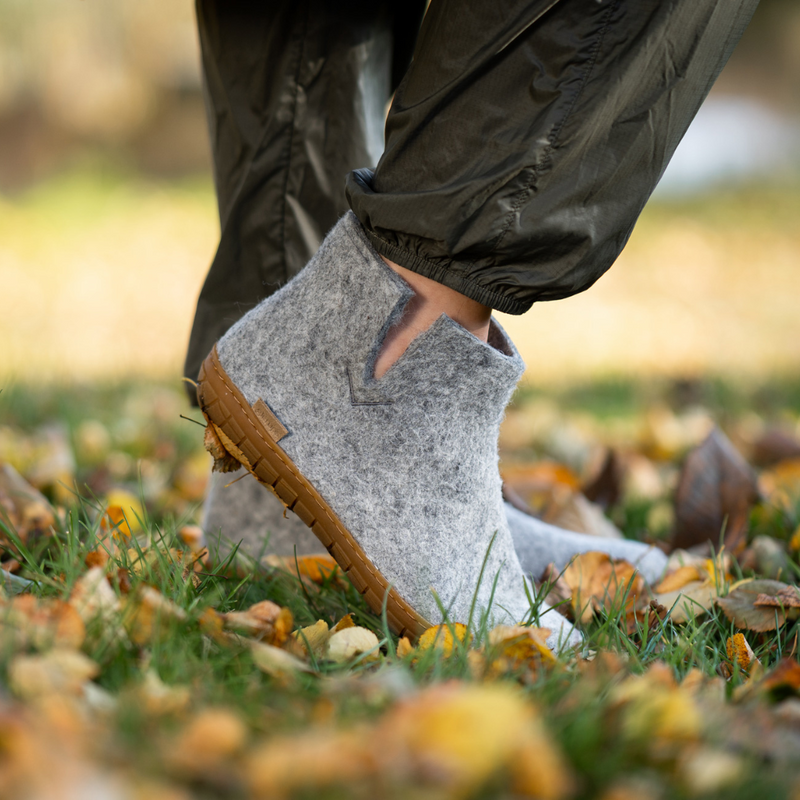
(245, 439)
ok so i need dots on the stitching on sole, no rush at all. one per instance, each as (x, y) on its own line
(411, 623)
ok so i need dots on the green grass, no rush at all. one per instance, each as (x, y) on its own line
(604, 744)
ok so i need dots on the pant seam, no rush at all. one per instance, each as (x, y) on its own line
(290, 148)
(552, 139)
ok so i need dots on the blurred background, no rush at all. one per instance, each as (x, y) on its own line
(108, 221)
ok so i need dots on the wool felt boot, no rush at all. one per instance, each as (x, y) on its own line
(242, 513)
(396, 477)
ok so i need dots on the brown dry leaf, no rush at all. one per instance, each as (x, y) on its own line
(605, 489)
(42, 623)
(740, 605)
(716, 491)
(690, 601)
(145, 613)
(597, 582)
(775, 445)
(573, 511)
(740, 652)
(351, 643)
(441, 637)
(781, 484)
(59, 671)
(785, 676)
(559, 592)
(786, 598)
(23, 507)
(532, 482)
(317, 568)
(265, 621)
(211, 737)
(223, 460)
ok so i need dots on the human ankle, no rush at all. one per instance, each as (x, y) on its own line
(431, 299)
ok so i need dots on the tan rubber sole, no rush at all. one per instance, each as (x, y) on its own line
(245, 437)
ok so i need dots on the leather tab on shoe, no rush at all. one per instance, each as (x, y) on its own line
(273, 425)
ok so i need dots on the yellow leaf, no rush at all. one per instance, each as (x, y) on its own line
(441, 638)
(58, 671)
(344, 623)
(740, 652)
(314, 637)
(124, 512)
(404, 647)
(461, 732)
(210, 737)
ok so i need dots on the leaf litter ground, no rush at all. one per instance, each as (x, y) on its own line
(136, 663)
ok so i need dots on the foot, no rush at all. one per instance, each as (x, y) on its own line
(242, 513)
(396, 477)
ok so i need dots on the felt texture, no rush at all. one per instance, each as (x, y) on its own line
(244, 513)
(538, 544)
(407, 462)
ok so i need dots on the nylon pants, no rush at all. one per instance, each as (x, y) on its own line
(520, 147)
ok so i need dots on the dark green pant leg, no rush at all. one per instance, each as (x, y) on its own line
(296, 95)
(528, 135)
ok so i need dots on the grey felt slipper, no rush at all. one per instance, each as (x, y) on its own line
(538, 544)
(396, 477)
(237, 511)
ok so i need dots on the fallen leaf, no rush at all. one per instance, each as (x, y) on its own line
(716, 491)
(223, 460)
(42, 623)
(405, 648)
(690, 601)
(605, 489)
(679, 578)
(145, 613)
(775, 445)
(598, 582)
(23, 507)
(317, 568)
(92, 597)
(313, 638)
(265, 621)
(441, 637)
(310, 761)
(785, 598)
(345, 622)
(351, 643)
(276, 662)
(462, 733)
(785, 676)
(59, 671)
(209, 738)
(740, 653)
(574, 512)
(512, 648)
(156, 697)
(740, 605)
